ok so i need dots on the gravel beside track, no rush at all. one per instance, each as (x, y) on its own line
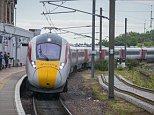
(79, 100)
(26, 99)
(48, 104)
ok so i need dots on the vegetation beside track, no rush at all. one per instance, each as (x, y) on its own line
(116, 106)
(134, 39)
(141, 74)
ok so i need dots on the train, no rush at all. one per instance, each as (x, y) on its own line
(50, 59)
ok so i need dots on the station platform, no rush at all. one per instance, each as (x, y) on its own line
(8, 79)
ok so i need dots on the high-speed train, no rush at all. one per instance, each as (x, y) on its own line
(48, 63)
(50, 59)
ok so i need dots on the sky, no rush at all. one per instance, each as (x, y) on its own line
(138, 13)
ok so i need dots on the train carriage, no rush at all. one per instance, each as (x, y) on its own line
(50, 59)
(48, 63)
(149, 56)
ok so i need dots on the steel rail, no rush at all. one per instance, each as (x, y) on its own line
(34, 106)
(62, 106)
(131, 93)
(133, 85)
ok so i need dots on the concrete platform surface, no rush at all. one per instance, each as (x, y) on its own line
(8, 79)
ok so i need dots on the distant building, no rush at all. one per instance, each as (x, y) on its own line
(7, 11)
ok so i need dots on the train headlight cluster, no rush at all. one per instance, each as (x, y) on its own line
(49, 40)
(62, 65)
(33, 64)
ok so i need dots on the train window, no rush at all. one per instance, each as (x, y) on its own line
(74, 54)
(150, 52)
(81, 54)
(116, 53)
(1, 38)
(107, 53)
(97, 53)
(48, 51)
(29, 51)
(133, 53)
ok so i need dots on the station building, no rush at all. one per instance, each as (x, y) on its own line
(13, 40)
(7, 8)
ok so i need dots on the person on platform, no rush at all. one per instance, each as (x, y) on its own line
(9, 60)
(6, 59)
(1, 57)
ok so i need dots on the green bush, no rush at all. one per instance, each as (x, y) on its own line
(101, 65)
(132, 63)
(119, 68)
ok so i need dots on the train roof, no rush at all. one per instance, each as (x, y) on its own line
(49, 37)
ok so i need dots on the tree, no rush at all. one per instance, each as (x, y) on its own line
(105, 43)
(133, 39)
(136, 39)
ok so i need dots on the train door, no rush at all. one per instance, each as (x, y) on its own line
(122, 53)
(86, 56)
(77, 57)
(143, 54)
(103, 54)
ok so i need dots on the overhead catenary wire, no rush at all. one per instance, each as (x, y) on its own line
(67, 31)
(74, 27)
(49, 2)
(59, 28)
(59, 0)
(50, 23)
(129, 11)
(58, 6)
(140, 12)
(48, 18)
(134, 0)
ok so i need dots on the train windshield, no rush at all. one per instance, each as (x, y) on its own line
(48, 51)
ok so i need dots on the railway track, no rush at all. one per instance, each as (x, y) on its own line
(145, 99)
(141, 97)
(45, 104)
(120, 78)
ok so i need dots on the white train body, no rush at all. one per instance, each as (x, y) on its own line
(50, 59)
(149, 53)
(48, 63)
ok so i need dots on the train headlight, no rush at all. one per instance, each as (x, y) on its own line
(62, 65)
(33, 64)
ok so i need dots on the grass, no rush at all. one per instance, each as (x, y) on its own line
(116, 106)
(135, 76)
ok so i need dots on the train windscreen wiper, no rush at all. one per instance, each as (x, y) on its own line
(41, 53)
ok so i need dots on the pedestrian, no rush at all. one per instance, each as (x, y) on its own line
(9, 60)
(6, 59)
(1, 57)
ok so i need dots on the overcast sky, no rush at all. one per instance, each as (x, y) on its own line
(137, 12)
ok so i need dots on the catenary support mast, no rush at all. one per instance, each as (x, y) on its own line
(111, 48)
